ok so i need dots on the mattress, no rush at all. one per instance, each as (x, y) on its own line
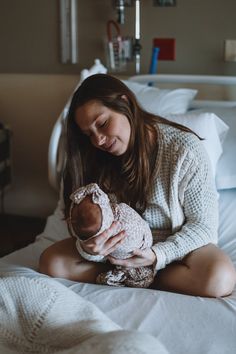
(176, 320)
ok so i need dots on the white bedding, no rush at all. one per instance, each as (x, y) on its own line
(226, 168)
(181, 323)
(176, 320)
(40, 315)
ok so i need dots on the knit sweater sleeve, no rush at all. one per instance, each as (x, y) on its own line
(198, 198)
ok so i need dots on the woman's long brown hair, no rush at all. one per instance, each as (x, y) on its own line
(128, 176)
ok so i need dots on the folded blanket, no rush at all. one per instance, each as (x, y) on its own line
(40, 315)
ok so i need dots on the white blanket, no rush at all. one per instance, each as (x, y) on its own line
(40, 315)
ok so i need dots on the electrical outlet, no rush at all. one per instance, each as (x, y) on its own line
(230, 50)
(167, 48)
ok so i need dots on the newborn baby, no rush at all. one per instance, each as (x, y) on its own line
(91, 213)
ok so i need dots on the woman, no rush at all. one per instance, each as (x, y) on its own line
(161, 170)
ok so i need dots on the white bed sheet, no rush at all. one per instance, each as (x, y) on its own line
(182, 323)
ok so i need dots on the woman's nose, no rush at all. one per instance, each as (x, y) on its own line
(99, 139)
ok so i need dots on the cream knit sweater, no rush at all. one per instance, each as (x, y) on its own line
(182, 209)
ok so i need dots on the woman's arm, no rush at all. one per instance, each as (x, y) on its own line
(200, 207)
(199, 203)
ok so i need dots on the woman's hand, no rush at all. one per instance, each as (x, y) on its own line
(104, 243)
(140, 258)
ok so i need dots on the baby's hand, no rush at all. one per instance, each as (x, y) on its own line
(105, 243)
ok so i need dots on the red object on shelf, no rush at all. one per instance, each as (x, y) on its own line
(167, 48)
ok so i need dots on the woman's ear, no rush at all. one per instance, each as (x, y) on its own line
(124, 97)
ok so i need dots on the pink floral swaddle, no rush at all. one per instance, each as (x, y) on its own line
(138, 236)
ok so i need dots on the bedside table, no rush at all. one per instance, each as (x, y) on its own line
(18, 231)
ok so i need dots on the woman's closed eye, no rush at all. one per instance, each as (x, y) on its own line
(101, 125)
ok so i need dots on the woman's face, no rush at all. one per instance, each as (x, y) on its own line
(108, 130)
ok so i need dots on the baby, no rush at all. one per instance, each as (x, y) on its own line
(91, 213)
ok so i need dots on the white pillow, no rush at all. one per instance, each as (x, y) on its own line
(226, 169)
(162, 102)
(207, 126)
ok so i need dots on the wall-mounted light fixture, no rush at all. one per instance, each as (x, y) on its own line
(69, 31)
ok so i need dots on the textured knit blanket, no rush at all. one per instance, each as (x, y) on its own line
(40, 315)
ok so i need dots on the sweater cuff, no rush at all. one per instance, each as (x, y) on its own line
(88, 256)
(161, 257)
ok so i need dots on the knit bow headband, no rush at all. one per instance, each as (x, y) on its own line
(98, 197)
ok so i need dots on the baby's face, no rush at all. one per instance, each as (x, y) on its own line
(86, 218)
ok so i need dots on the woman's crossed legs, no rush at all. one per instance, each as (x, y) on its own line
(207, 271)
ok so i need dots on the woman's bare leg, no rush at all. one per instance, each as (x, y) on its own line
(207, 271)
(62, 260)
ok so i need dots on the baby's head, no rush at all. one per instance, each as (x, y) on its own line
(86, 218)
(90, 212)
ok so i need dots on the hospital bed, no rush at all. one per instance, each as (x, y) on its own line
(183, 324)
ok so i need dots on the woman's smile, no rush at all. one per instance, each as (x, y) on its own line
(109, 146)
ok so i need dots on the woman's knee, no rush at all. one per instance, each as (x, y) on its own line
(219, 279)
(60, 259)
(51, 264)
